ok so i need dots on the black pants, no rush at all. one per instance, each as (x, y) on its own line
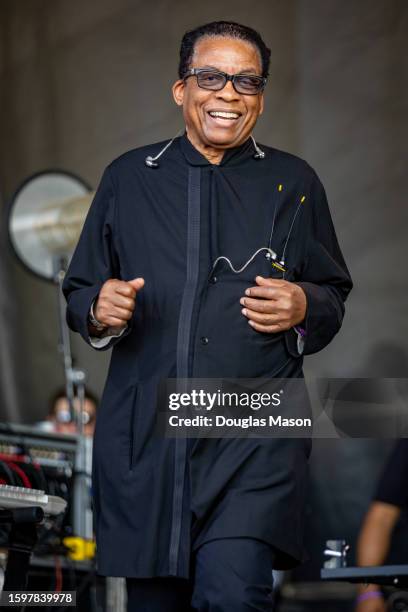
(228, 575)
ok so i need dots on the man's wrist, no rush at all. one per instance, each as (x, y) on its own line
(371, 594)
(300, 328)
(93, 321)
(94, 331)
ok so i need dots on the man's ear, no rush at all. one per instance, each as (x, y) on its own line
(261, 104)
(178, 92)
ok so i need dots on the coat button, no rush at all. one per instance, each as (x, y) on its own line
(204, 340)
(213, 279)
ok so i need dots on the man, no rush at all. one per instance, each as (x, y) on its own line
(59, 417)
(374, 541)
(208, 256)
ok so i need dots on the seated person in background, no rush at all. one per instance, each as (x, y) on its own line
(58, 418)
(379, 522)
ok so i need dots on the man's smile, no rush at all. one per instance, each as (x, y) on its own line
(223, 117)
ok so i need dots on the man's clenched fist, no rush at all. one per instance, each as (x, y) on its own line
(116, 302)
(274, 305)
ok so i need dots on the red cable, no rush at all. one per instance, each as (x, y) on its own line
(21, 473)
(58, 574)
(18, 459)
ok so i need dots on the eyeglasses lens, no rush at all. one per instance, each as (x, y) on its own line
(243, 84)
(248, 84)
(211, 80)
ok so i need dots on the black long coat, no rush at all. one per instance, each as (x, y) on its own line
(168, 225)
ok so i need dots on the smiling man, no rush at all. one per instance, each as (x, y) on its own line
(220, 118)
(206, 256)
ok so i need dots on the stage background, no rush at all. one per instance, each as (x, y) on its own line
(82, 82)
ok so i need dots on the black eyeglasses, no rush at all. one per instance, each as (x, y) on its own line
(248, 84)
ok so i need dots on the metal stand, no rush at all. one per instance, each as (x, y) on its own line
(75, 388)
(116, 594)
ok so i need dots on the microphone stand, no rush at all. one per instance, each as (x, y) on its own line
(75, 390)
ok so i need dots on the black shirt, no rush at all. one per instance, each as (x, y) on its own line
(393, 485)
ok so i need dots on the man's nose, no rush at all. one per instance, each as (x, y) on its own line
(227, 92)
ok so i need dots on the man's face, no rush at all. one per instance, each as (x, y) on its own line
(227, 55)
(62, 415)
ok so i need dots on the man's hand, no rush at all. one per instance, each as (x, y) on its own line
(274, 305)
(116, 302)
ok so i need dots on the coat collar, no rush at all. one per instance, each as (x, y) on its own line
(231, 156)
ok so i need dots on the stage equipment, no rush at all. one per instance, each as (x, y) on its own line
(19, 497)
(45, 219)
(48, 461)
(46, 216)
(335, 568)
(23, 509)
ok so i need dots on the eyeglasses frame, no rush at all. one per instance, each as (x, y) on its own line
(228, 77)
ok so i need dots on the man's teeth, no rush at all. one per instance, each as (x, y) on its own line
(224, 115)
